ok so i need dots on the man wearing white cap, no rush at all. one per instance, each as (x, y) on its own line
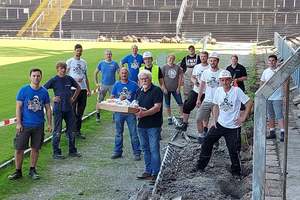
(208, 85)
(157, 75)
(227, 121)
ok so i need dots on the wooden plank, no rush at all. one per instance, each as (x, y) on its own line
(116, 108)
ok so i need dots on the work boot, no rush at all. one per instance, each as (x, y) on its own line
(272, 135)
(281, 136)
(144, 176)
(58, 157)
(75, 154)
(116, 156)
(182, 127)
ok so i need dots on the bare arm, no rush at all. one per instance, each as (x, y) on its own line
(244, 116)
(19, 126)
(215, 114)
(76, 93)
(96, 77)
(49, 116)
(87, 85)
(243, 78)
(194, 80)
(179, 81)
(201, 91)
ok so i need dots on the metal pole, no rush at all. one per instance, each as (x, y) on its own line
(60, 24)
(286, 124)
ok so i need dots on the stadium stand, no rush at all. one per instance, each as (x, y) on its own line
(227, 20)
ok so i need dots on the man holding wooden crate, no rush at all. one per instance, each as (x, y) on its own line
(125, 90)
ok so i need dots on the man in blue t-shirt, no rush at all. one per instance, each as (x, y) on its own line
(134, 62)
(31, 101)
(62, 109)
(125, 90)
(108, 69)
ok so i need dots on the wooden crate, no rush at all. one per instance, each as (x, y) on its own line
(116, 108)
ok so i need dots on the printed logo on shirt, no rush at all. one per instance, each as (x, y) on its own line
(226, 105)
(135, 64)
(191, 62)
(213, 82)
(172, 73)
(125, 92)
(35, 104)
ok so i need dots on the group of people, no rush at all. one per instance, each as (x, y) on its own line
(216, 92)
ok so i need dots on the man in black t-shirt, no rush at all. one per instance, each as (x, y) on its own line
(150, 99)
(187, 65)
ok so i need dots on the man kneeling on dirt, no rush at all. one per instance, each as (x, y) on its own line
(227, 121)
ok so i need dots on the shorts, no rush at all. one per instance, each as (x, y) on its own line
(176, 96)
(274, 109)
(204, 111)
(35, 134)
(188, 84)
(191, 101)
(103, 90)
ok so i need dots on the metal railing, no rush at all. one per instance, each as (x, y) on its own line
(180, 16)
(263, 93)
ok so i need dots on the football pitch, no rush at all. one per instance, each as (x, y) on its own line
(17, 57)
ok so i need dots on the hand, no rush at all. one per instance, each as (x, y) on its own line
(140, 114)
(88, 93)
(178, 90)
(198, 103)
(239, 121)
(56, 99)
(122, 97)
(214, 123)
(49, 128)
(165, 91)
(19, 128)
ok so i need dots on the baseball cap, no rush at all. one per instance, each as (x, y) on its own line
(214, 55)
(225, 74)
(147, 54)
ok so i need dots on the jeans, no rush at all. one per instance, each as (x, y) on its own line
(233, 143)
(130, 119)
(149, 138)
(78, 109)
(68, 116)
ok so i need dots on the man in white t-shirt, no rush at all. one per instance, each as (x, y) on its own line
(274, 103)
(227, 121)
(190, 103)
(208, 85)
(77, 69)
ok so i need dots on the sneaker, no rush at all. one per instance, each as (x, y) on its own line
(58, 157)
(182, 127)
(116, 156)
(170, 121)
(34, 175)
(97, 117)
(144, 176)
(153, 180)
(137, 157)
(272, 135)
(16, 175)
(75, 154)
(281, 136)
(80, 136)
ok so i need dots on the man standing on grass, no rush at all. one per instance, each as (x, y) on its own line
(77, 69)
(125, 90)
(63, 99)
(31, 101)
(134, 62)
(108, 69)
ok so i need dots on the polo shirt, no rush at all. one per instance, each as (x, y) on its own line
(147, 100)
(238, 72)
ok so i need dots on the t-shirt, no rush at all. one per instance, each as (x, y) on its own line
(238, 72)
(78, 70)
(33, 103)
(229, 105)
(197, 72)
(147, 100)
(171, 76)
(108, 70)
(189, 62)
(266, 75)
(128, 89)
(211, 79)
(62, 87)
(133, 63)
